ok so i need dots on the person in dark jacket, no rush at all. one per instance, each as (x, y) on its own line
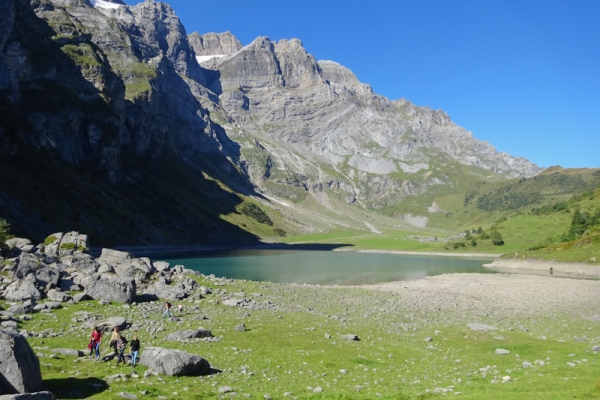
(135, 348)
(121, 345)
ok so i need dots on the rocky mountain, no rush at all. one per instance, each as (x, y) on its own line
(103, 103)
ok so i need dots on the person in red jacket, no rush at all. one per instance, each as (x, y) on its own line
(96, 340)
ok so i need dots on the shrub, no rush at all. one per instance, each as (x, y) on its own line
(255, 212)
(496, 238)
(280, 232)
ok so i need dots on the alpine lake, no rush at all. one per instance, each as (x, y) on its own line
(323, 267)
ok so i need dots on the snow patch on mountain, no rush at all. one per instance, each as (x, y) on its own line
(103, 4)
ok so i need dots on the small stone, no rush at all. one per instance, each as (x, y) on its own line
(225, 389)
(502, 351)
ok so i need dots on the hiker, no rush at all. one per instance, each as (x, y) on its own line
(95, 341)
(113, 339)
(167, 309)
(121, 344)
(551, 270)
(135, 348)
(180, 308)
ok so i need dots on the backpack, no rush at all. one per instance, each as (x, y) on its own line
(121, 342)
(168, 305)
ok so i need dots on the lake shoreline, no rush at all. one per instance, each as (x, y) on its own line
(537, 267)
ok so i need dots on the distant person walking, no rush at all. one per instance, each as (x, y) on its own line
(121, 344)
(167, 309)
(180, 308)
(551, 270)
(96, 341)
(135, 348)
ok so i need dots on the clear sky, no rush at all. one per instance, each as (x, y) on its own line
(523, 75)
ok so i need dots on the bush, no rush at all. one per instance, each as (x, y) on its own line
(255, 212)
(496, 238)
(280, 232)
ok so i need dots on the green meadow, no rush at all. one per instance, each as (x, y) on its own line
(294, 347)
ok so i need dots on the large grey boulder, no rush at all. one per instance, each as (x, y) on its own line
(174, 362)
(57, 295)
(21, 291)
(18, 363)
(137, 269)
(81, 262)
(188, 334)
(30, 264)
(111, 287)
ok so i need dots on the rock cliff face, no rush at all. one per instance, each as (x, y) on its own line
(111, 90)
(311, 118)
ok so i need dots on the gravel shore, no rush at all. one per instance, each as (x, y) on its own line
(495, 297)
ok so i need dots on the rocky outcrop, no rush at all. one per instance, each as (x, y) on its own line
(174, 362)
(212, 43)
(18, 363)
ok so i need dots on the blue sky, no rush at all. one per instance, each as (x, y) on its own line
(522, 75)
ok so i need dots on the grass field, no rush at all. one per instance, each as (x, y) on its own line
(296, 349)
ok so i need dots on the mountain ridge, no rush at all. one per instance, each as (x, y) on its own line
(265, 119)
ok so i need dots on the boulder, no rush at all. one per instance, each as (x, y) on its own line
(18, 363)
(81, 297)
(22, 290)
(110, 323)
(161, 265)
(174, 362)
(69, 352)
(29, 396)
(57, 295)
(71, 242)
(110, 287)
(169, 292)
(240, 328)
(113, 257)
(81, 262)
(188, 334)
(23, 308)
(51, 244)
(21, 245)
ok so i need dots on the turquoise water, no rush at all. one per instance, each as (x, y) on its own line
(324, 267)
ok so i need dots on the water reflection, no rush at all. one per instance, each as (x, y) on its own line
(324, 267)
